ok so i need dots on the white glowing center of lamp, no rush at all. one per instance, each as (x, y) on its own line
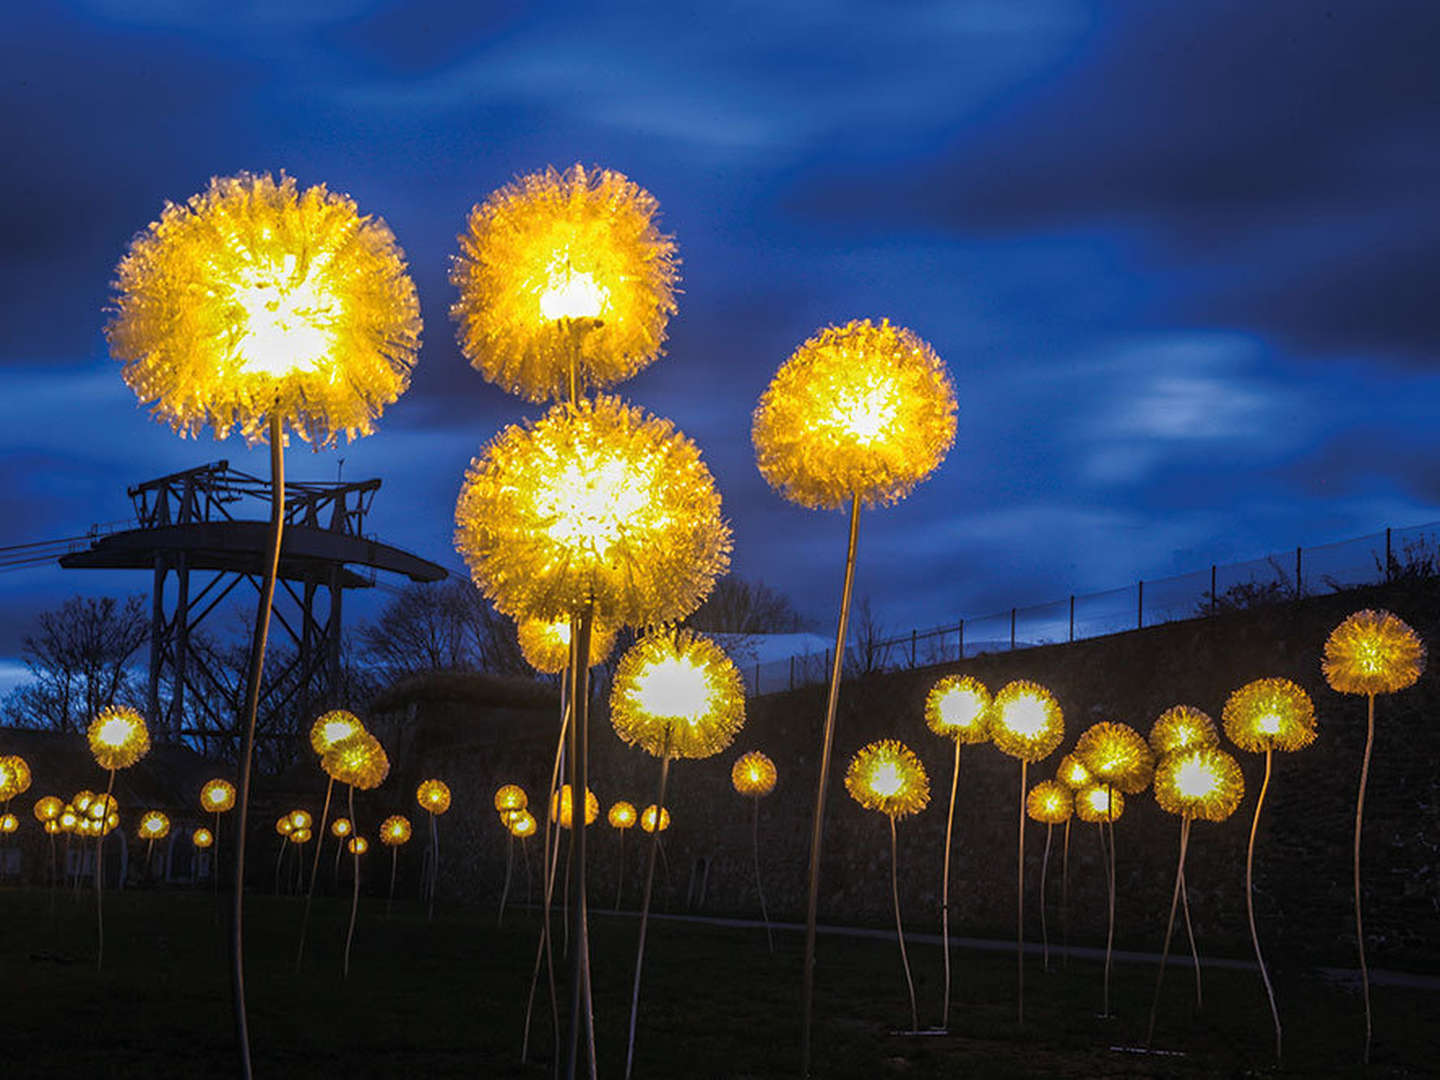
(1195, 780)
(754, 775)
(1269, 724)
(289, 321)
(1100, 801)
(335, 730)
(885, 779)
(572, 294)
(865, 413)
(674, 686)
(1025, 717)
(591, 503)
(1077, 775)
(114, 732)
(152, 825)
(960, 708)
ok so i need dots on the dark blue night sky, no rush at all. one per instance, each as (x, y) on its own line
(1182, 259)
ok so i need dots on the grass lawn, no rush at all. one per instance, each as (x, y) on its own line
(448, 999)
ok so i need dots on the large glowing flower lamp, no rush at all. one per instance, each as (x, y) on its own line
(858, 416)
(358, 761)
(676, 694)
(1026, 723)
(1198, 781)
(753, 775)
(957, 708)
(1052, 803)
(118, 739)
(1264, 716)
(887, 776)
(260, 306)
(328, 729)
(1371, 652)
(14, 777)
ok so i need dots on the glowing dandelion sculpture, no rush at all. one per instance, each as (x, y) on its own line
(1371, 652)
(510, 799)
(1117, 756)
(202, 838)
(118, 739)
(957, 708)
(395, 832)
(329, 728)
(1026, 723)
(654, 819)
(433, 796)
(676, 694)
(358, 761)
(14, 777)
(621, 818)
(283, 828)
(859, 414)
(1267, 715)
(1073, 774)
(887, 776)
(153, 826)
(260, 306)
(1052, 803)
(753, 775)
(1198, 781)
(8, 823)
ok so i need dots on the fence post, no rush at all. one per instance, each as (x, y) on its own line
(1140, 607)
(1012, 629)
(1299, 581)
(1388, 555)
(912, 648)
(961, 635)
(1214, 600)
(1072, 616)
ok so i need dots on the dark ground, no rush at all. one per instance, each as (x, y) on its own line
(448, 1000)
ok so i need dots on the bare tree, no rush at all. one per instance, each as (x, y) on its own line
(445, 627)
(738, 606)
(868, 643)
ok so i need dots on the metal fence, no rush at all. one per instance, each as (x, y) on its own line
(1289, 575)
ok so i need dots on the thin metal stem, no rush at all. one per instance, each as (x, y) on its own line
(1190, 933)
(1020, 903)
(355, 887)
(1065, 894)
(620, 882)
(1250, 905)
(759, 890)
(645, 903)
(252, 706)
(394, 862)
(900, 929)
(100, 873)
(525, 858)
(215, 858)
(945, 890)
(434, 863)
(1359, 819)
(1044, 866)
(1169, 928)
(279, 861)
(807, 993)
(580, 1010)
(509, 865)
(314, 873)
(1110, 877)
(550, 856)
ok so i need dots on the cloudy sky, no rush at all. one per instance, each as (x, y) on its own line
(1181, 258)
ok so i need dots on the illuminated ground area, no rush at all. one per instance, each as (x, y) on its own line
(448, 1000)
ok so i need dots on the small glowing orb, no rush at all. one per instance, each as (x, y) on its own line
(333, 726)
(340, 828)
(395, 830)
(433, 796)
(299, 836)
(1050, 802)
(1200, 782)
(1373, 652)
(522, 824)
(1072, 773)
(753, 774)
(69, 819)
(202, 838)
(82, 800)
(1181, 728)
(358, 845)
(1117, 755)
(358, 760)
(1269, 714)
(52, 828)
(14, 777)
(101, 807)
(284, 826)
(511, 797)
(647, 819)
(596, 504)
(621, 815)
(560, 810)
(1097, 803)
(48, 808)
(860, 410)
(677, 693)
(1026, 721)
(217, 796)
(888, 777)
(9, 823)
(154, 825)
(118, 737)
(300, 819)
(545, 644)
(958, 707)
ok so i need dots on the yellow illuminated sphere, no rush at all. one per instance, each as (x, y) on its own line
(958, 707)
(1072, 773)
(9, 823)
(329, 728)
(202, 838)
(860, 410)
(118, 737)
(300, 819)
(340, 828)
(647, 819)
(14, 777)
(69, 819)
(753, 774)
(48, 808)
(433, 796)
(52, 828)
(82, 800)
(255, 297)
(545, 644)
(1117, 754)
(299, 836)
(101, 806)
(1202, 782)
(1026, 721)
(395, 830)
(1182, 728)
(217, 796)
(511, 797)
(597, 504)
(1097, 803)
(1050, 802)
(358, 845)
(552, 247)
(887, 776)
(522, 824)
(562, 813)
(677, 693)
(1269, 714)
(507, 816)
(154, 825)
(1373, 652)
(622, 815)
(358, 760)
(284, 826)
